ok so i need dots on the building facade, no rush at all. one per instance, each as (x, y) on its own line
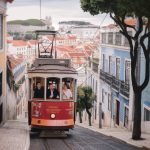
(85, 32)
(3, 102)
(17, 92)
(115, 84)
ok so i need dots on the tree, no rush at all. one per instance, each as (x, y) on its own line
(119, 11)
(86, 99)
(80, 104)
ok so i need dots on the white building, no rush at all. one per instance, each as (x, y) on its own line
(85, 32)
(3, 86)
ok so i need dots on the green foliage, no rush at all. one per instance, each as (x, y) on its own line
(33, 22)
(119, 7)
(85, 98)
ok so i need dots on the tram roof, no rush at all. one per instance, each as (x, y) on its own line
(57, 66)
(56, 69)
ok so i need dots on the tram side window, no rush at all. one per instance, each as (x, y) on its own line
(53, 88)
(38, 88)
(67, 89)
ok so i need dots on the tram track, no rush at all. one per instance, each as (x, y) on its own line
(70, 148)
(47, 144)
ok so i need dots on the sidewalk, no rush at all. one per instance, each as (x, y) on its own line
(14, 135)
(121, 134)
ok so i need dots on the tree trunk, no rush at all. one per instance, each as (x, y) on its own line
(89, 116)
(136, 134)
(80, 116)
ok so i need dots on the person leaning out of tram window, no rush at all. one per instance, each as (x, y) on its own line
(52, 93)
(67, 94)
(38, 91)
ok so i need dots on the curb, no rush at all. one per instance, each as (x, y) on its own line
(27, 141)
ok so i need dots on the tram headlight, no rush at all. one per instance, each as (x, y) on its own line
(53, 116)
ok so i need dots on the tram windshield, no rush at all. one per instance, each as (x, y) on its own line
(53, 88)
(67, 89)
(38, 88)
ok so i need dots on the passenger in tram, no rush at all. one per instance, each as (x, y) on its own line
(67, 94)
(52, 93)
(38, 91)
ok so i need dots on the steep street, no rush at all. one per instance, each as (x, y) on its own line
(79, 139)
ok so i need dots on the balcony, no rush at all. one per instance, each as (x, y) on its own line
(116, 84)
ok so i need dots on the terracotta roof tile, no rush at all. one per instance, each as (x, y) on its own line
(18, 43)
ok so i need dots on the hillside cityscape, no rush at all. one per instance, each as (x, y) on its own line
(107, 79)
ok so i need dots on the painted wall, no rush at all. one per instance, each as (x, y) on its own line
(115, 53)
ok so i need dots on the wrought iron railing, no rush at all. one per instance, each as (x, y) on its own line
(116, 84)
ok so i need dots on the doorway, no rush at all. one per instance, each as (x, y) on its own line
(126, 116)
(117, 112)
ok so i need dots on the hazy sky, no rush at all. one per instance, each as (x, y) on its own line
(59, 10)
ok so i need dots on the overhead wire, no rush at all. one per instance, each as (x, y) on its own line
(93, 39)
(100, 26)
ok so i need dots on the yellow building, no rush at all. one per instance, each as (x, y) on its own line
(3, 4)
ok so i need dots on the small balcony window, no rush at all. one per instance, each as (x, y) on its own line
(103, 38)
(110, 38)
(118, 39)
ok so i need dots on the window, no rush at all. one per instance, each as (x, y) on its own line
(127, 71)
(146, 114)
(1, 83)
(103, 92)
(118, 68)
(103, 59)
(93, 84)
(110, 65)
(103, 38)
(110, 38)
(1, 31)
(68, 89)
(109, 102)
(118, 39)
(38, 88)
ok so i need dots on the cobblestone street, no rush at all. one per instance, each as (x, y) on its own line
(79, 139)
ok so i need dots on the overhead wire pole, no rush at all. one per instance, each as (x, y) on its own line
(41, 12)
(40, 9)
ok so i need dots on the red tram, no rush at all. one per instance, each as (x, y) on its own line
(52, 89)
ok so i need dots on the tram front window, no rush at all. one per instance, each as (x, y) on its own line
(67, 89)
(39, 91)
(38, 88)
(53, 88)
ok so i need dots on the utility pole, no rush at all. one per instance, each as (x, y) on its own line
(100, 115)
